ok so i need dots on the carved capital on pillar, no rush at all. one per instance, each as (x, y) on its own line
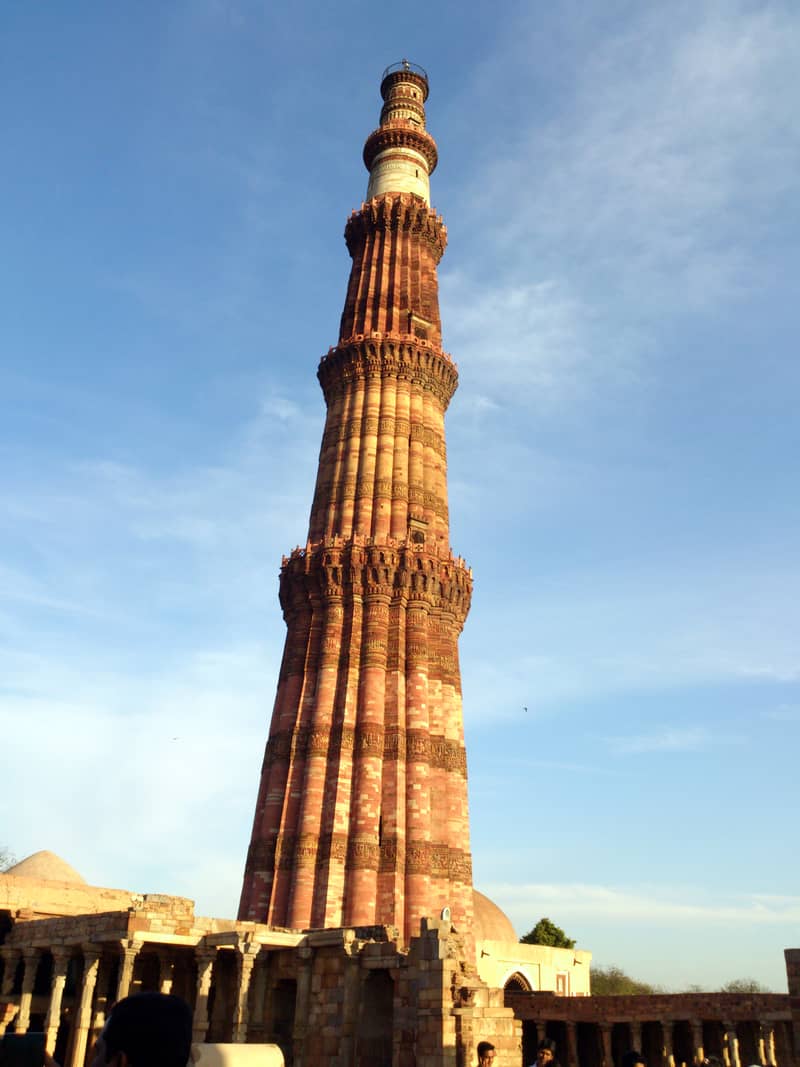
(732, 1043)
(767, 1042)
(31, 957)
(11, 957)
(129, 951)
(91, 954)
(61, 957)
(205, 956)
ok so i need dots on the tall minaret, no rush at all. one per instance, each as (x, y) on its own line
(362, 815)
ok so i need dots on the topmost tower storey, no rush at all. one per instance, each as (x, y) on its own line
(401, 155)
(396, 241)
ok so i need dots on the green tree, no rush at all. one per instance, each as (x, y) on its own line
(613, 981)
(545, 932)
(744, 985)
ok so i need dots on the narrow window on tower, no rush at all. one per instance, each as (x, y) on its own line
(380, 830)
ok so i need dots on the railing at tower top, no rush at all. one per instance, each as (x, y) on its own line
(404, 65)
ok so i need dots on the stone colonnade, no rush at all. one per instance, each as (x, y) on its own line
(349, 996)
(66, 990)
(669, 1030)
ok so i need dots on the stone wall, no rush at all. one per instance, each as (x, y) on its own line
(345, 996)
(35, 898)
(792, 956)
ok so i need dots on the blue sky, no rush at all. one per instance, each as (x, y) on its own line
(619, 181)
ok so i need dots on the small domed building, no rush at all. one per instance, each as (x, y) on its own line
(504, 963)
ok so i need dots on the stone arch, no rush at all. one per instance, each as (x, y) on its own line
(517, 983)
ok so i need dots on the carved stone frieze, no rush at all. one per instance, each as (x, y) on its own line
(418, 857)
(392, 854)
(460, 866)
(363, 853)
(279, 746)
(440, 860)
(353, 361)
(418, 746)
(338, 848)
(394, 743)
(261, 855)
(369, 739)
(336, 572)
(307, 847)
(403, 213)
(284, 852)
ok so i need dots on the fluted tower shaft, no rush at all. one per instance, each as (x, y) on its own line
(361, 815)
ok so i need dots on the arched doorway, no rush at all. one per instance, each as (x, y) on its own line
(516, 983)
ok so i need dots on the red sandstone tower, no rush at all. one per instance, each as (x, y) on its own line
(361, 815)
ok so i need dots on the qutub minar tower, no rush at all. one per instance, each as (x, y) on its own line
(361, 815)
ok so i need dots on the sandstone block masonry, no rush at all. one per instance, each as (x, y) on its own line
(361, 816)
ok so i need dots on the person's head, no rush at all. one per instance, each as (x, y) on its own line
(146, 1030)
(486, 1054)
(634, 1058)
(545, 1051)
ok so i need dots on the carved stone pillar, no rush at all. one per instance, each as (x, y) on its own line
(52, 1022)
(305, 957)
(572, 1045)
(130, 950)
(667, 1054)
(732, 1044)
(11, 957)
(258, 997)
(246, 953)
(166, 972)
(7, 1013)
(91, 964)
(10, 961)
(101, 1003)
(30, 959)
(766, 1043)
(605, 1044)
(205, 969)
(697, 1040)
(636, 1035)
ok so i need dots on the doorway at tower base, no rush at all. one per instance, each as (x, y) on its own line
(363, 1000)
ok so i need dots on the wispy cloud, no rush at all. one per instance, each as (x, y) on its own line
(784, 712)
(163, 575)
(651, 190)
(666, 739)
(645, 903)
(154, 754)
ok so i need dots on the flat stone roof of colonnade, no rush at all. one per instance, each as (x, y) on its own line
(149, 918)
